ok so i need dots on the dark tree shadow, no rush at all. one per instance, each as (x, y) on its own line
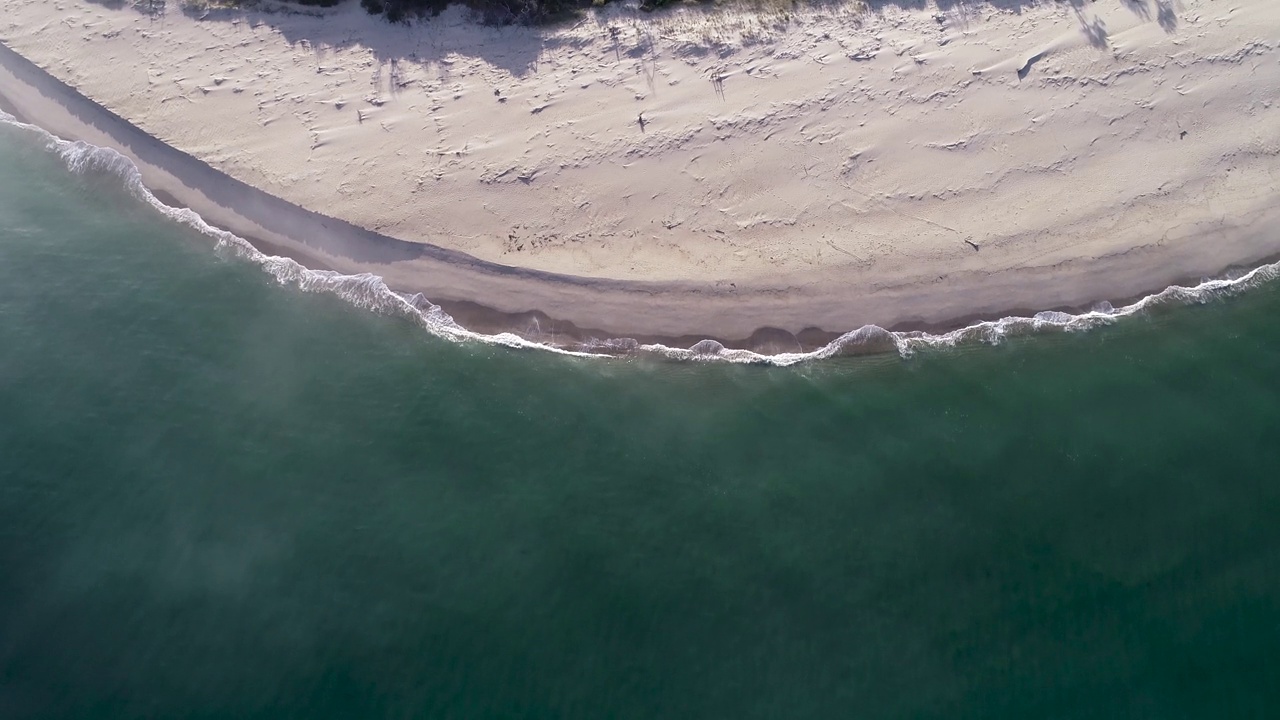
(1139, 8)
(1166, 16)
(1094, 29)
(422, 40)
(516, 48)
(1015, 6)
(146, 7)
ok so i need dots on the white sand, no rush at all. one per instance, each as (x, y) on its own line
(833, 166)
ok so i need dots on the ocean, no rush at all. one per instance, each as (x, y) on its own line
(222, 495)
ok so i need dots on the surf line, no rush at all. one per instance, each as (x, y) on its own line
(370, 291)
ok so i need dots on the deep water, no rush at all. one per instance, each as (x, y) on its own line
(223, 497)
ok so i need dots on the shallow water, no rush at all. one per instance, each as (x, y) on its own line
(225, 497)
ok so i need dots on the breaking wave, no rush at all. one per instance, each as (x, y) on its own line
(369, 291)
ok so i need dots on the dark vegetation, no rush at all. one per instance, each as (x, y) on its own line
(493, 11)
(501, 12)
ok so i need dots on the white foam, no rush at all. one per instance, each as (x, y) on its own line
(370, 292)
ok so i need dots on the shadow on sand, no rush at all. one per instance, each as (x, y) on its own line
(516, 48)
(425, 40)
(1094, 29)
(1164, 11)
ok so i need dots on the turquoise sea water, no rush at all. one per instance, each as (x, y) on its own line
(223, 497)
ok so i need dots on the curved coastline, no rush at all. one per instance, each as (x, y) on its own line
(814, 315)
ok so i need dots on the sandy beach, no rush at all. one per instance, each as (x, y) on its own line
(698, 173)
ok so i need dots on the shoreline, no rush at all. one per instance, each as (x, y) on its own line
(792, 312)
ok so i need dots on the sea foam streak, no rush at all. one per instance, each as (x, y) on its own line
(369, 291)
